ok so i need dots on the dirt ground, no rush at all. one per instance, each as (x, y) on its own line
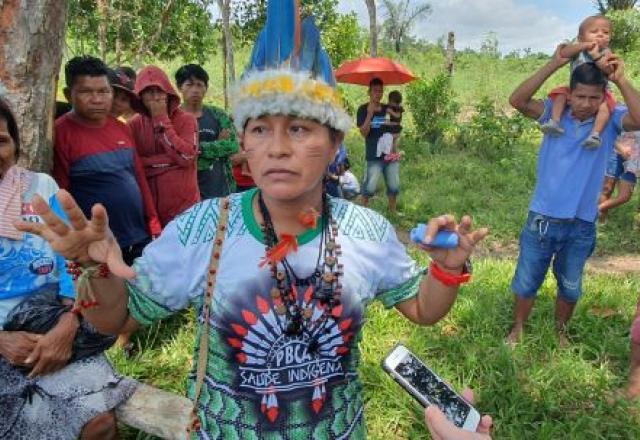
(616, 264)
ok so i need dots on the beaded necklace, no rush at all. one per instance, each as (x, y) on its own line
(324, 281)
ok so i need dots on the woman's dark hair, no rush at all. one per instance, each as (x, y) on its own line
(12, 126)
(84, 65)
(333, 134)
(189, 71)
(588, 74)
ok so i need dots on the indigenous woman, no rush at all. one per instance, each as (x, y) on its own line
(293, 270)
(46, 391)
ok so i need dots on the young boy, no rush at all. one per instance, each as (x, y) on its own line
(592, 46)
(622, 170)
(395, 111)
(217, 137)
(348, 181)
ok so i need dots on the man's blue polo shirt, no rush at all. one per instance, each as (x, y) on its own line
(570, 177)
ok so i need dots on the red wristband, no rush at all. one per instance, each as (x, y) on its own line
(448, 279)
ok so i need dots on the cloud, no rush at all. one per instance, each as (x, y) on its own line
(517, 25)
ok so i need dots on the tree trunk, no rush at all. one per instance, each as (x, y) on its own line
(103, 13)
(225, 10)
(118, 45)
(373, 27)
(451, 50)
(31, 40)
(225, 77)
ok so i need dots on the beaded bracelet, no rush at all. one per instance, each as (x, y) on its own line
(86, 298)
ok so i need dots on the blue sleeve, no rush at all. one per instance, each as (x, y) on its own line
(546, 114)
(57, 209)
(618, 117)
(65, 282)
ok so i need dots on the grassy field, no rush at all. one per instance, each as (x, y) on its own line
(536, 391)
(495, 194)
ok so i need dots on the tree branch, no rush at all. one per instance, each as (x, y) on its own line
(145, 45)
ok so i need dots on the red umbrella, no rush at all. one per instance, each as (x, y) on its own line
(362, 71)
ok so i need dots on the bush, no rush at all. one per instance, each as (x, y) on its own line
(344, 39)
(432, 107)
(349, 101)
(492, 134)
(626, 30)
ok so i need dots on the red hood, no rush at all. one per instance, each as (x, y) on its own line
(154, 76)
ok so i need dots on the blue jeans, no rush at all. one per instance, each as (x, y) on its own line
(376, 169)
(615, 169)
(569, 243)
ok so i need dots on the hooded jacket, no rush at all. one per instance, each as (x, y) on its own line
(167, 145)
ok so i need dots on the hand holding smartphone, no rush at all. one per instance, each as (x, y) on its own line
(428, 388)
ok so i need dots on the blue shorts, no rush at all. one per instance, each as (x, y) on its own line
(615, 169)
(379, 168)
(569, 243)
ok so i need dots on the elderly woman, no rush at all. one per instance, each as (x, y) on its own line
(43, 394)
(278, 330)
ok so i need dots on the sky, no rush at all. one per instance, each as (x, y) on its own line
(518, 24)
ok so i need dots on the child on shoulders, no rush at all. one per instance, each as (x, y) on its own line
(592, 46)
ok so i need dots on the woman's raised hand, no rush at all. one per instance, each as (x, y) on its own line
(81, 240)
(453, 259)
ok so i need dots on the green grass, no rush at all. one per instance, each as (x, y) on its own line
(535, 391)
(496, 194)
(538, 390)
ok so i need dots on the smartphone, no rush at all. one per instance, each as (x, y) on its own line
(428, 388)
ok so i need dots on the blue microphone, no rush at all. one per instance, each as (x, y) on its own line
(443, 239)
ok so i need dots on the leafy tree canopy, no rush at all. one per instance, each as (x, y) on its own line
(162, 29)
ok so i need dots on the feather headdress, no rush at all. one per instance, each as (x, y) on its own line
(289, 73)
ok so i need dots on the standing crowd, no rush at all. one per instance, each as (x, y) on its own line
(159, 202)
(145, 150)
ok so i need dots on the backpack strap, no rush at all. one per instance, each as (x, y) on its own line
(203, 349)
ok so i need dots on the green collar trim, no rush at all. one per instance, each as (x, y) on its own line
(256, 230)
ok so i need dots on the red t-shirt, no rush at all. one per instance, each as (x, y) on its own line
(101, 165)
(241, 179)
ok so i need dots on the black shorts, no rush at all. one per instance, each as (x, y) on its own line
(394, 129)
